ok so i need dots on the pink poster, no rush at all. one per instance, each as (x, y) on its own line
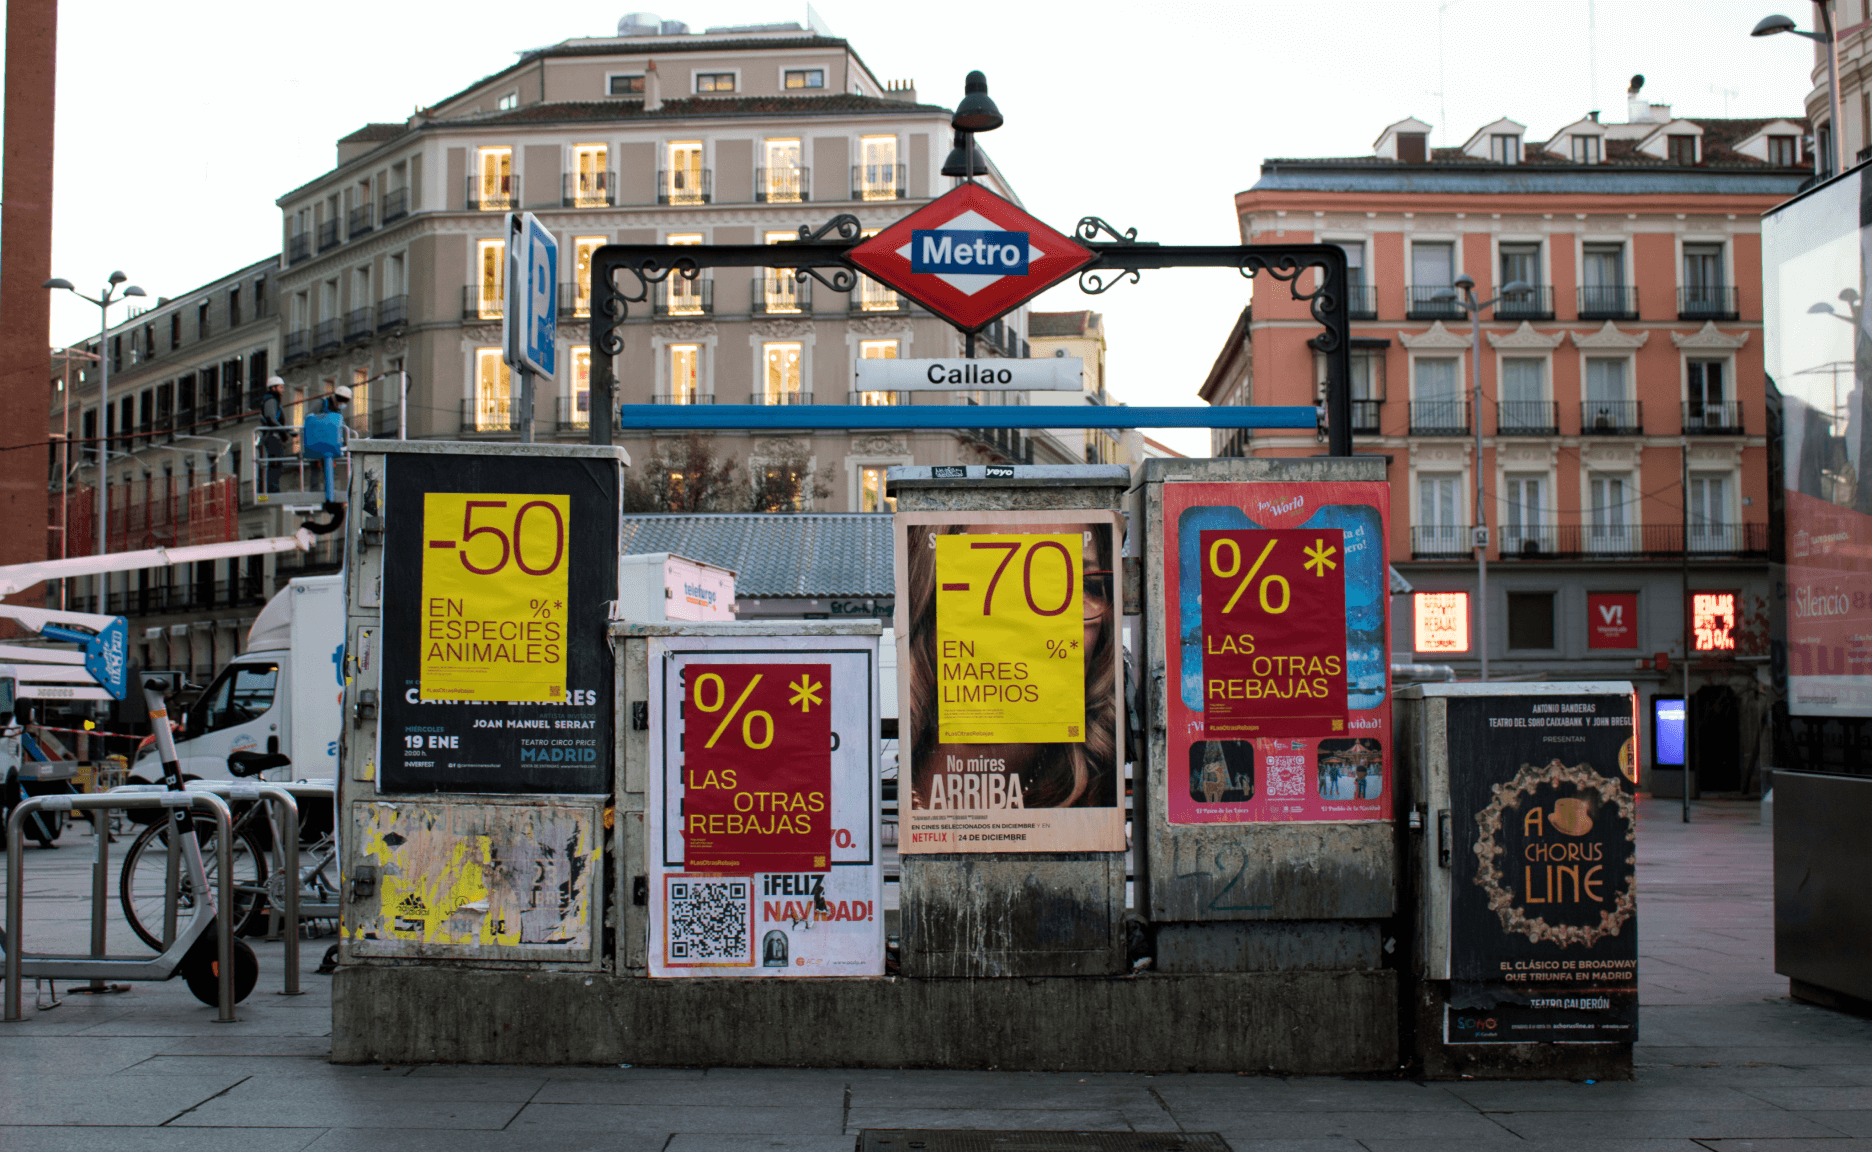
(1323, 771)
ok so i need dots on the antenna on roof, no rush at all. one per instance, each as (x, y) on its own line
(816, 24)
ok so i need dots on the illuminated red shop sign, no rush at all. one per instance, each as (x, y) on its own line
(1713, 622)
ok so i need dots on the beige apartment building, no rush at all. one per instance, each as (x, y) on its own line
(1082, 334)
(395, 259)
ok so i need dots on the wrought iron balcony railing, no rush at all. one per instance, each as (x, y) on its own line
(588, 190)
(1366, 416)
(393, 311)
(878, 399)
(1362, 302)
(1609, 302)
(1528, 418)
(298, 346)
(360, 221)
(1615, 540)
(796, 396)
(298, 247)
(492, 193)
(783, 185)
(878, 181)
(394, 205)
(1713, 418)
(780, 295)
(1535, 304)
(870, 296)
(1612, 417)
(328, 234)
(685, 186)
(490, 414)
(1440, 417)
(1430, 541)
(324, 336)
(1707, 302)
(358, 325)
(477, 305)
(678, 296)
(683, 398)
(1424, 306)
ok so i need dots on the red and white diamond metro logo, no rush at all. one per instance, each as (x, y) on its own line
(958, 232)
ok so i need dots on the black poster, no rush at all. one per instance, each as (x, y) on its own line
(1543, 918)
(486, 746)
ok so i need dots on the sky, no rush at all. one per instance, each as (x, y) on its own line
(180, 123)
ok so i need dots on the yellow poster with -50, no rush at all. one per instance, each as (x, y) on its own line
(1011, 667)
(494, 596)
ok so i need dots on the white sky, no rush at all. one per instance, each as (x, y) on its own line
(180, 123)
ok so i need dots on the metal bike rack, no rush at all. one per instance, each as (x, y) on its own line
(98, 967)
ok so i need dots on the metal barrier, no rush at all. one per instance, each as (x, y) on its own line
(98, 967)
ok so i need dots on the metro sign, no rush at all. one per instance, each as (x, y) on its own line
(970, 256)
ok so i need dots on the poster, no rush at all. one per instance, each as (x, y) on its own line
(795, 887)
(498, 571)
(1322, 751)
(1044, 773)
(1544, 901)
(1612, 620)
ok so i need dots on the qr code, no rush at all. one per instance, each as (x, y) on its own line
(1286, 776)
(707, 922)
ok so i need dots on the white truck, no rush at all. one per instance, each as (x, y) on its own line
(663, 586)
(283, 695)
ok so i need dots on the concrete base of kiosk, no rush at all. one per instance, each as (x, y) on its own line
(1296, 1022)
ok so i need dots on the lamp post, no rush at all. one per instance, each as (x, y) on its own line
(1770, 25)
(1479, 538)
(104, 302)
(976, 113)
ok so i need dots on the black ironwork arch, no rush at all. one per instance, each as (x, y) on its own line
(823, 254)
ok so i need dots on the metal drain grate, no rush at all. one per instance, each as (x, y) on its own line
(1022, 1140)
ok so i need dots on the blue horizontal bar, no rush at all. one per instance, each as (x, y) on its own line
(896, 416)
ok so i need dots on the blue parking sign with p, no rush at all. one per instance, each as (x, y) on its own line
(531, 316)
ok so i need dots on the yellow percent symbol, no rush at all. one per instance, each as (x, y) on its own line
(747, 722)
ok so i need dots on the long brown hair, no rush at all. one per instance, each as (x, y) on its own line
(1061, 775)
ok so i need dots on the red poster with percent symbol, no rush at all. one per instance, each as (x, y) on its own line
(1274, 642)
(757, 768)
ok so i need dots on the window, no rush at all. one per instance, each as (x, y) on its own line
(393, 276)
(1603, 278)
(175, 330)
(240, 694)
(715, 82)
(1606, 380)
(1681, 149)
(1520, 262)
(1355, 260)
(871, 495)
(201, 320)
(782, 179)
(685, 372)
(685, 297)
(1707, 512)
(1586, 148)
(1440, 510)
(1524, 406)
(1366, 375)
(234, 314)
(877, 171)
(581, 387)
(1411, 147)
(1703, 266)
(490, 278)
(507, 102)
(582, 249)
(1782, 152)
(781, 378)
(1607, 529)
(1437, 401)
(1504, 147)
(1531, 620)
(877, 350)
(591, 182)
(494, 179)
(803, 78)
(625, 85)
(1432, 264)
(684, 183)
(781, 292)
(492, 413)
(360, 406)
(1522, 513)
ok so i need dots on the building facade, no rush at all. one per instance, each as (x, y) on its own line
(1624, 461)
(1081, 334)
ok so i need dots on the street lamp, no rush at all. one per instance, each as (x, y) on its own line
(104, 302)
(1770, 25)
(1479, 538)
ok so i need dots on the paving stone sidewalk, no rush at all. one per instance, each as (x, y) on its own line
(1726, 1061)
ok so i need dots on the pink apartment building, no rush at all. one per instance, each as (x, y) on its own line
(1638, 353)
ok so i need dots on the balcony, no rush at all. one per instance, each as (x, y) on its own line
(1366, 416)
(1440, 541)
(1612, 418)
(492, 193)
(1421, 306)
(395, 205)
(797, 396)
(393, 312)
(359, 222)
(299, 248)
(358, 326)
(872, 297)
(878, 182)
(783, 185)
(685, 398)
(1707, 302)
(1002, 338)
(231, 401)
(476, 306)
(1528, 418)
(1713, 418)
(685, 186)
(879, 399)
(491, 414)
(298, 346)
(678, 296)
(1619, 541)
(1609, 302)
(575, 413)
(780, 295)
(325, 336)
(328, 235)
(574, 301)
(1535, 304)
(1362, 302)
(588, 190)
(1440, 418)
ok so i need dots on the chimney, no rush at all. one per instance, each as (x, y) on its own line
(1638, 109)
(1594, 116)
(653, 89)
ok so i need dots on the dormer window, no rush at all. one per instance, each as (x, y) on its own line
(1504, 147)
(715, 82)
(1782, 152)
(1586, 148)
(509, 101)
(1681, 150)
(1411, 147)
(803, 78)
(625, 85)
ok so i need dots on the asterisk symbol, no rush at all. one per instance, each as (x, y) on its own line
(1073, 644)
(1317, 554)
(559, 604)
(805, 692)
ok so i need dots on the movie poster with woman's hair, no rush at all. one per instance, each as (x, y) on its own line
(1009, 657)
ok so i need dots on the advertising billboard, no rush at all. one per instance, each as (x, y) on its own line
(1612, 620)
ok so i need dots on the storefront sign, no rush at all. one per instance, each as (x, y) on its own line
(757, 774)
(1544, 895)
(1713, 622)
(1274, 658)
(1298, 572)
(494, 596)
(1440, 622)
(1009, 652)
(1612, 620)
